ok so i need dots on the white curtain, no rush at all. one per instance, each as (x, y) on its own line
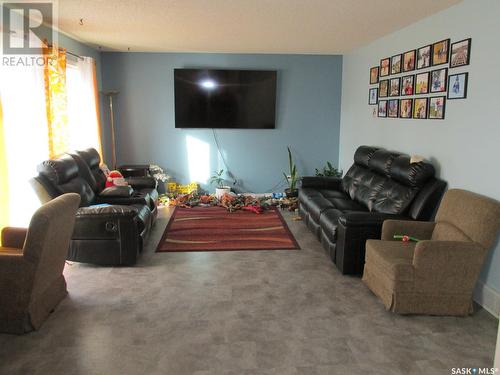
(82, 111)
(25, 133)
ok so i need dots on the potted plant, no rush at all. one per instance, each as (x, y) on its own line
(220, 188)
(292, 177)
(328, 171)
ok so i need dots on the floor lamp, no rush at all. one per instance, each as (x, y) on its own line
(110, 95)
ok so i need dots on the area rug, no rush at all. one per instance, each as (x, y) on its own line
(216, 229)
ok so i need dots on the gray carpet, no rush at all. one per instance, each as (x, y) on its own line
(241, 313)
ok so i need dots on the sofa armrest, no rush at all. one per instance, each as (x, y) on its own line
(103, 222)
(106, 211)
(322, 182)
(138, 198)
(142, 182)
(117, 191)
(14, 237)
(421, 230)
(364, 219)
(453, 266)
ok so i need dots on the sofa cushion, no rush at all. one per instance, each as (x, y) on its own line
(329, 222)
(305, 193)
(381, 162)
(411, 174)
(316, 205)
(333, 194)
(363, 155)
(393, 258)
(347, 205)
(391, 198)
(361, 183)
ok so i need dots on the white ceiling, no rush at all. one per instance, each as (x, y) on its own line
(244, 26)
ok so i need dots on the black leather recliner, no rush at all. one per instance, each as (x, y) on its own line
(344, 212)
(104, 234)
(88, 162)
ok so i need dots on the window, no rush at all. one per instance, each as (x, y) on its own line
(82, 112)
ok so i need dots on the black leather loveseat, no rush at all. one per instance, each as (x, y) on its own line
(344, 213)
(111, 224)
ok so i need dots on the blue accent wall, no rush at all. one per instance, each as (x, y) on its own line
(307, 117)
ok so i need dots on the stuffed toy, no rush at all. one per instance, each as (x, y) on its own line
(115, 178)
(405, 238)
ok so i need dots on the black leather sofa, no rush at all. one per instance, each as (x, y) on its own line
(344, 212)
(109, 234)
(88, 162)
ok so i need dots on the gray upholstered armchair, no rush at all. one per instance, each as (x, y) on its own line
(31, 265)
(437, 274)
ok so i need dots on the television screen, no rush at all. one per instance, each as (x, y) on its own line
(206, 98)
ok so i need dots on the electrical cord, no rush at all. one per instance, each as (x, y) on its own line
(278, 185)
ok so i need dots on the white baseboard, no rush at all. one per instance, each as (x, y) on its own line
(488, 298)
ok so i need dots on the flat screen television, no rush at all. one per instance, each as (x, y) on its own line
(212, 98)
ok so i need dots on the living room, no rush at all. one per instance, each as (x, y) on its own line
(329, 277)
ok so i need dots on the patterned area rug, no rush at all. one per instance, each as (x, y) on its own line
(216, 229)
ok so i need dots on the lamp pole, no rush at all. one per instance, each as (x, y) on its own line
(110, 95)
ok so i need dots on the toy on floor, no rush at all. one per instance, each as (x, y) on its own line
(405, 238)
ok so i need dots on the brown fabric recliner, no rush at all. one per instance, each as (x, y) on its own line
(437, 274)
(31, 265)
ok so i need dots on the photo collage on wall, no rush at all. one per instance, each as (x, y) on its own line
(423, 82)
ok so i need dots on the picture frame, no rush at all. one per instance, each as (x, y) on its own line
(394, 86)
(383, 88)
(460, 53)
(409, 60)
(438, 80)
(420, 108)
(385, 67)
(422, 83)
(373, 96)
(440, 52)
(424, 57)
(382, 108)
(437, 106)
(393, 108)
(407, 85)
(374, 75)
(405, 108)
(396, 64)
(457, 86)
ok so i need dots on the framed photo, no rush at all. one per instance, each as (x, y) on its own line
(385, 67)
(394, 84)
(422, 83)
(392, 108)
(460, 53)
(373, 75)
(382, 108)
(407, 85)
(420, 108)
(409, 61)
(457, 86)
(373, 96)
(383, 88)
(424, 57)
(440, 52)
(438, 80)
(405, 106)
(436, 107)
(396, 64)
